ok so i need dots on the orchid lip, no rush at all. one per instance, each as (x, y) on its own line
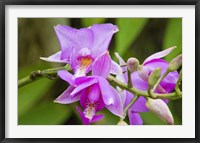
(89, 111)
(84, 62)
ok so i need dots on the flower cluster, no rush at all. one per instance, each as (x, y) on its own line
(86, 51)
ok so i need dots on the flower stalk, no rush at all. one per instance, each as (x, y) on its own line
(35, 75)
(49, 73)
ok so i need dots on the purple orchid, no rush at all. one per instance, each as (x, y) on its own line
(139, 81)
(94, 92)
(81, 47)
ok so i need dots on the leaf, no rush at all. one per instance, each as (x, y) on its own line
(109, 118)
(46, 113)
(29, 94)
(173, 37)
(129, 30)
(151, 119)
(90, 21)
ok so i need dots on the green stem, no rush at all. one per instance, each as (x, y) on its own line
(160, 79)
(178, 91)
(35, 75)
(130, 84)
(171, 96)
(52, 73)
(135, 98)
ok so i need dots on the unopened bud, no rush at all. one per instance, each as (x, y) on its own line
(121, 122)
(132, 64)
(154, 76)
(175, 63)
(160, 108)
(143, 73)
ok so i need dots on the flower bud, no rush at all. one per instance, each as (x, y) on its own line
(121, 122)
(143, 72)
(154, 76)
(175, 63)
(132, 64)
(160, 108)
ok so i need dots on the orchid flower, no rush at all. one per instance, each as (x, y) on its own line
(81, 47)
(94, 92)
(140, 81)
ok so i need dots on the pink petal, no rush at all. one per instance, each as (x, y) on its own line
(65, 75)
(134, 118)
(84, 85)
(65, 97)
(85, 120)
(97, 118)
(139, 105)
(102, 36)
(111, 98)
(55, 58)
(115, 68)
(106, 92)
(94, 93)
(138, 82)
(159, 55)
(102, 65)
(124, 74)
(71, 37)
(117, 106)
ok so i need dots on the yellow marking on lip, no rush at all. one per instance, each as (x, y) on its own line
(85, 62)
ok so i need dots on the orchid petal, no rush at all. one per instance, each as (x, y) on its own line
(71, 37)
(124, 69)
(102, 65)
(105, 91)
(84, 85)
(55, 58)
(159, 55)
(94, 93)
(65, 75)
(111, 97)
(102, 37)
(169, 82)
(138, 82)
(134, 118)
(85, 120)
(97, 118)
(117, 106)
(65, 97)
(139, 105)
(115, 68)
(80, 80)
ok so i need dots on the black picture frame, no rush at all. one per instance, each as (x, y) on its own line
(3, 4)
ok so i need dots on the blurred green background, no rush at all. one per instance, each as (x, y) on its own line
(137, 37)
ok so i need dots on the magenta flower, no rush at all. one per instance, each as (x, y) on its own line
(139, 81)
(94, 92)
(81, 47)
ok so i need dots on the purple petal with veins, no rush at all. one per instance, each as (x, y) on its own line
(159, 55)
(102, 36)
(134, 118)
(65, 97)
(102, 65)
(66, 76)
(55, 58)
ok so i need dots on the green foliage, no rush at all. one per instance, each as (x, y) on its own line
(46, 113)
(173, 37)
(90, 21)
(30, 94)
(129, 29)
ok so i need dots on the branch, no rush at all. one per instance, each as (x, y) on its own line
(35, 75)
(52, 73)
(171, 96)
